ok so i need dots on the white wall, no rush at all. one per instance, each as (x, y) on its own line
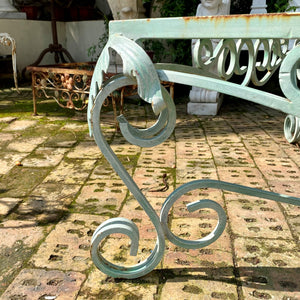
(32, 37)
(82, 35)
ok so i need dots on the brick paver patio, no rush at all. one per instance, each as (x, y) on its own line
(56, 188)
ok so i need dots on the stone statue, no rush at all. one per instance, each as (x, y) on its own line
(127, 9)
(202, 101)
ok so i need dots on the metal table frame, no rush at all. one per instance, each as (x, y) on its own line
(271, 32)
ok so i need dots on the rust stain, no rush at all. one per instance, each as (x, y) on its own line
(247, 17)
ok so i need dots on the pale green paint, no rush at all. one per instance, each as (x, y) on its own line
(267, 30)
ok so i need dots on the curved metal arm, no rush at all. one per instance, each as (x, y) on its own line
(206, 203)
(136, 65)
(156, 134)
(114, 225)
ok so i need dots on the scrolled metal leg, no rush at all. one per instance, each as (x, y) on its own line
(121, 225)
(292, 129)
(204, 203)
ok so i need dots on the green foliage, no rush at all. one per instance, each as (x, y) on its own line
(279, 6)
(95, 50)
(178, 50)
(240, 7)
(177, 8)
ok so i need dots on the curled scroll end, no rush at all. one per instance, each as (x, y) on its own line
(158, 104)
(292, 129)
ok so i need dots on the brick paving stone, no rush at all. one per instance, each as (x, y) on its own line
(9, 160)
(269, 269)
(266, 253)
(232, 155)
(7, 137)
(17, 243)
(197, 289)
(66, 184)
(25, 145)
(242, 175)
(217, 137)
(7, 120)
(293, 152)
(215, 255)
(48, 201)
(193, 149)
(279, 286)
(189, 134)
(294, 222)
(61, 139)
(98, 286)
(36, 284)
(133, 211)
(103, 171)
(7, 204)
(162, 156)
(67, 246)
(20, 125)
(150, 180)
(125, 149)
(71, 171)
(291, 188)
(188, 170)
(179, 208)
(75, 126)
(45, 157)
(20, 181)
(278, 169)
(255, 217)
(264, 148)
(85, 150)
(104, 197)
(116, 250)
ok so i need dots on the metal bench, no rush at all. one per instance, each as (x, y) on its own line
(272, 33)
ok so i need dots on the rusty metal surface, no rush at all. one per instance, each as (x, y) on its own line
(68, 84)
(283, 25)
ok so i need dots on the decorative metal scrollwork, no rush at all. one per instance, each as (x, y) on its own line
(209, 53)
(67, 89)
(138, 69)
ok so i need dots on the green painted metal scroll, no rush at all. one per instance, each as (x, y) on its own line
(235, 34)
